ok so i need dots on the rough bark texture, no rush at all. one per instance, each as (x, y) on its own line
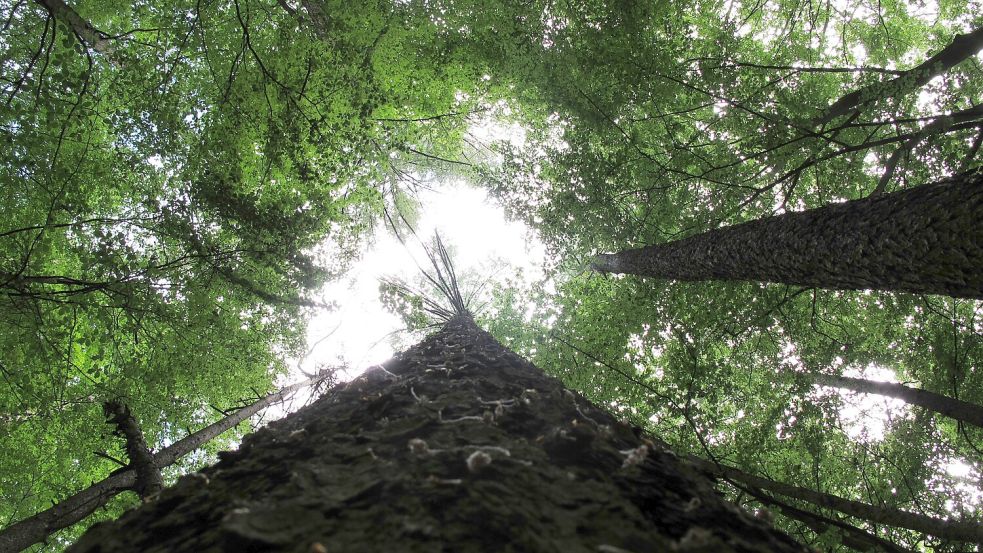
(74, 508)
(148, 479)
(928, 239)
(950, 407)
(965, 530)
(961, 48)
(455, 445)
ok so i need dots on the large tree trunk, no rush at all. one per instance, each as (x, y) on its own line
(928, 239)
(455, 445)
(944, 405)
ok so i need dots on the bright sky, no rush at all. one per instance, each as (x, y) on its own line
(361, 332)
(865, 417)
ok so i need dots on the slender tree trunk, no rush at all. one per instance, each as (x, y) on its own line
(955, 530)
(928, 239)
(850, 536)
(944, 405)
(961, 48)
(75, 508)
(456, 445)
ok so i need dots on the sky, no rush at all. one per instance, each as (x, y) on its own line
(361, 333)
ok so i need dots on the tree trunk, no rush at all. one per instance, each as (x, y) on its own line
(944, 405)
(25, 533)
(455, 445)
(850, 536)
(964, 530)
(928, 239)
(148, 479)
(960, 49)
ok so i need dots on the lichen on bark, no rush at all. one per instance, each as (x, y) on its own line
(455, 445)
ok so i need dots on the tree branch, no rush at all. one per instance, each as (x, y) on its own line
(961, 48)
(70, 510)
(92, 37)
(937, 126)
(148, 480)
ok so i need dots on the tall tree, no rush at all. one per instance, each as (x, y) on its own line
(924, 240)
(456, 443)
(178, 179)
(938, 403)
(957, 530)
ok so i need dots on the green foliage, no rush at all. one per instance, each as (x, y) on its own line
(170, 204)
(685, 118)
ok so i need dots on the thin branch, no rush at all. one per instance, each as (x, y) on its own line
(936, 126)
(800, 69)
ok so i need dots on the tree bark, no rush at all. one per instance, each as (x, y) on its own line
(928, 239)
(148, 479)
(944, 405)
(89, 35)
(75, 508)
(961, 48)
(955, 530)
(455, 445)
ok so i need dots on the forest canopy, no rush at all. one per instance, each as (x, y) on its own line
(179, 179)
